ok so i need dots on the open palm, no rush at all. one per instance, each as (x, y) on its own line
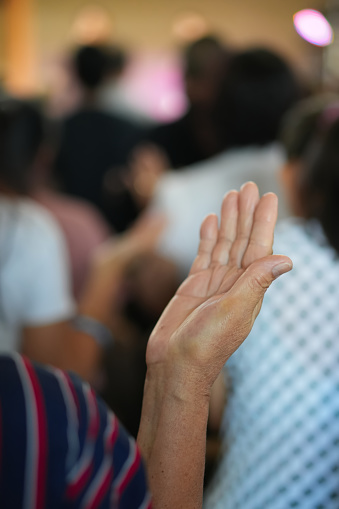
(223, 293)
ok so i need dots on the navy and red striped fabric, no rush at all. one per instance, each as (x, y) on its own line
(59, 445)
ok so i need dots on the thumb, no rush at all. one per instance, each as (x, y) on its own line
(258, 277)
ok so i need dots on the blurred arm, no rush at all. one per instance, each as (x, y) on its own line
(63, 346)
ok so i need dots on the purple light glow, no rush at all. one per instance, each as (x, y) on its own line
(312, 26)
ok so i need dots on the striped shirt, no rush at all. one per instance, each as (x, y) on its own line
(60, 447)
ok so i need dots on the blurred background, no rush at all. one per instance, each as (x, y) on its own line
(36, 35)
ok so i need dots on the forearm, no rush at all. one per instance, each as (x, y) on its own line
(62, 346)
(151, 408)
(82, 354)
(173, 439)
(98, 299)
(72, 346)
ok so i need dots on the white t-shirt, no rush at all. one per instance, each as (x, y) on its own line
(34, 278)
(187, 196)
(281, 423)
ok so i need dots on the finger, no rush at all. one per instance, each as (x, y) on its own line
(257, 278)
(228, 228)
(208, 239)
(248, 200)
(261, 239)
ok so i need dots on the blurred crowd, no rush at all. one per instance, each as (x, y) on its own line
(99, 224)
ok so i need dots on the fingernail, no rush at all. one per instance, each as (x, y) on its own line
(281, 268)
(245, 184)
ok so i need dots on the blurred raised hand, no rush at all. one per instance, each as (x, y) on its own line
(101, 295)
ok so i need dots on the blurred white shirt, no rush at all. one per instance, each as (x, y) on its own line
(34, 277)
(187, 196)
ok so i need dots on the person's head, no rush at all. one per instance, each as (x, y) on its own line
(116, 61)
(91, 65)
(204, 62)
(257, 90)
(21, 134)
(310, 135)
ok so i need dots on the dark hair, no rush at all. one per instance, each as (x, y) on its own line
(310, 135)
(21, 134)
(198, 54)
(116, 60)
(257, 89)
(91, 64)
(305, 121)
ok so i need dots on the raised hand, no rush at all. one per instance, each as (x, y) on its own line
(214, 309)
(206, 321)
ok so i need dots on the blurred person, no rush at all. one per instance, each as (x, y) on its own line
(37, 314)
(61, 447)
(95, 144)
(83, 227)
(81, 223)
(188, 140)
(63, 94)
(280, 426)
(115, 96)
(258, 89)
(193, 137)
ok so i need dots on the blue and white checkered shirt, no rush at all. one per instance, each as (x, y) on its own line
(281, 424)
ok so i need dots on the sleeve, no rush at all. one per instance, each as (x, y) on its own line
(106, 470)
(44, 293)
(61, 445)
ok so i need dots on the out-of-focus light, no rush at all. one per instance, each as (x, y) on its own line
(171, 105)
(92, 25)
(189, 26)
(153, 85)
(312, 26)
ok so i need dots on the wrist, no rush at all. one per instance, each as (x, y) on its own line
(177, 381)
(98, 299)
(187, 384)
(89, 325)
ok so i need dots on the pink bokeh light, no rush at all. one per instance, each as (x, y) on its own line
(312, 26)
(154, 85)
